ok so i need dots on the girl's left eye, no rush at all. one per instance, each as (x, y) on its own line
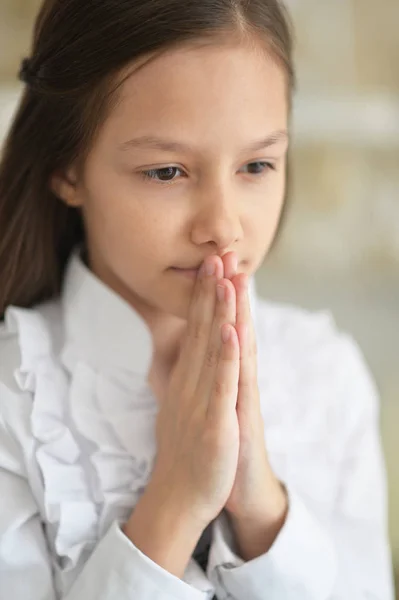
(260, 167)
(167, 175)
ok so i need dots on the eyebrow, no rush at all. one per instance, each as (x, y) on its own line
(165, 145)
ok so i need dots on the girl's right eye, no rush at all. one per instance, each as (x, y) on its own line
(165, 175)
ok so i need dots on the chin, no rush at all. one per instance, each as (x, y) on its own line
(179, 305)
(172, 300)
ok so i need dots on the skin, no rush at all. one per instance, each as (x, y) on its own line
(220, 199)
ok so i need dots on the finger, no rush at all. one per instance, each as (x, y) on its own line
(244, 315)
(246, 331)
(199, 325)
(223, 399)
(230, 263)
(225, 312)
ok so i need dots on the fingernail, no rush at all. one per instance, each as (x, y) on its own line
(220, 292)
(210, 268)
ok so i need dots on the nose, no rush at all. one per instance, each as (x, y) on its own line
(217, 222)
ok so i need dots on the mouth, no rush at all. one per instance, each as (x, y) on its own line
(190, 272)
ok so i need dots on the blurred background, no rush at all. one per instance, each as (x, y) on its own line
(339, 248)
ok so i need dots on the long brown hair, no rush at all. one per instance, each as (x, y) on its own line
(78, 50)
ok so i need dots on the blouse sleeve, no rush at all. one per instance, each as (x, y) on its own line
(115, 569)
(25, 570)
(343, 557)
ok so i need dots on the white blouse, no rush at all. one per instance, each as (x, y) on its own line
(77, 445)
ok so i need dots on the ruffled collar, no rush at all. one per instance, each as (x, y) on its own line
(105, 328)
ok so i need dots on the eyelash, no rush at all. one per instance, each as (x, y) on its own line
(150, 175)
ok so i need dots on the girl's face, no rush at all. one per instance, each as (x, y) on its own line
(190, 162)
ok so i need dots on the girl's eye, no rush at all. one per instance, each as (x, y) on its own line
(259, 167)
(164, 175)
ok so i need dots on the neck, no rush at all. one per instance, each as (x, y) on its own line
(167, 331)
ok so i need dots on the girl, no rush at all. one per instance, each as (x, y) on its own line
(164, 433)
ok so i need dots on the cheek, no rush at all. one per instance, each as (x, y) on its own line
(118, 213)
(262, 226)
(133, 232)
(265, 215)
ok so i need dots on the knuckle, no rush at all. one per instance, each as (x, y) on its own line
(198, 331)
(245, 385)
(211, 357)
(220, 389)
(248, 382)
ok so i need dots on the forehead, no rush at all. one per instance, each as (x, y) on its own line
(202, 90)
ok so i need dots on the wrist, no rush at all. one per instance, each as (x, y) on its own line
(256, 532)
(265, 501)
(163, 532)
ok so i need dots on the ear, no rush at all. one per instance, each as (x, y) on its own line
(64, 185)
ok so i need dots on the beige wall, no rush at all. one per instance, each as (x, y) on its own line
(15, 34)
(346, 166)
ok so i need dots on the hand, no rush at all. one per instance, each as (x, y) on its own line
(197, 426)
(257, 499)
